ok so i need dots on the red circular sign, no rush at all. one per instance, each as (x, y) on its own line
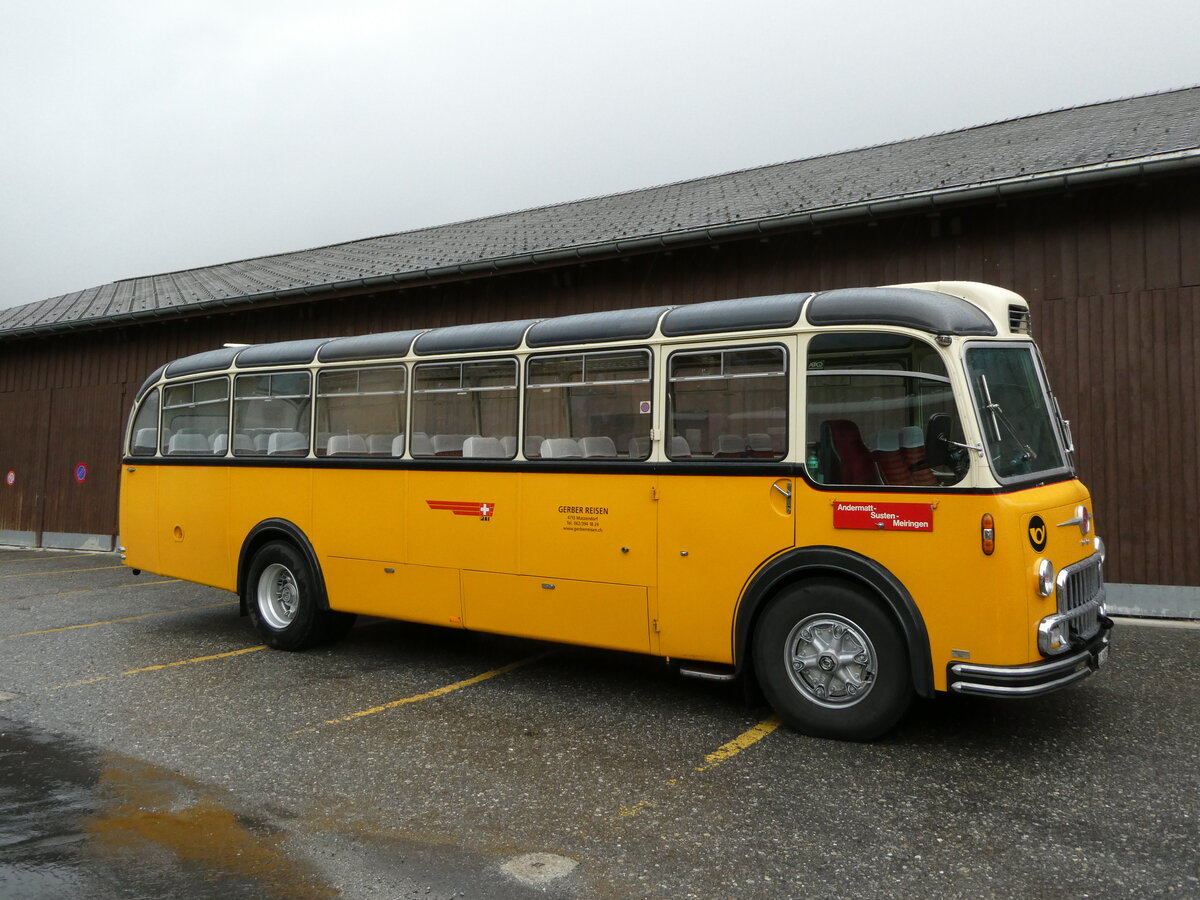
(81, 472)
(11, 478)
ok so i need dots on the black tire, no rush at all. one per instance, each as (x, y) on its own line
(831, 661)
(283, 598)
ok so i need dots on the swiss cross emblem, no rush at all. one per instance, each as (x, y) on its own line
(464, 507)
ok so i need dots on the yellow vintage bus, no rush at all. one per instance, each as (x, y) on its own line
(854, 497)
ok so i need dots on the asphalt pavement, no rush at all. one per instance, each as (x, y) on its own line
(150, 746)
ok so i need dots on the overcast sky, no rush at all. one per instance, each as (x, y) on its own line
(145, 137)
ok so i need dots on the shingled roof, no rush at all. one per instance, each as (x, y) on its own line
(1105, 141)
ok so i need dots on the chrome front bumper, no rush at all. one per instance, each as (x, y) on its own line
(1035, 678)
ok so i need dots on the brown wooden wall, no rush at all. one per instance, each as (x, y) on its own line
(1112, 275)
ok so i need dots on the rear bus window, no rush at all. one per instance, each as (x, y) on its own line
(588, 406)
(144, 439)
(728, 404)
(195, 417)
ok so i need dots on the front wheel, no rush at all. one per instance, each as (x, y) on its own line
(832, 662)
(281, 598)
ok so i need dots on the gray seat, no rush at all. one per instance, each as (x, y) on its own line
(188, 443)
(146, 440)
(599, 447)
(421, 444)
(291, 443)
(398, 445)
(380, 444)
(561, 448)
(448, 444)
(477, 447)
(346, 445)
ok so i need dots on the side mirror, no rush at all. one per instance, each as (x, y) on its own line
(937, 437)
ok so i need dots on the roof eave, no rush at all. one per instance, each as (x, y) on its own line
(863, 210)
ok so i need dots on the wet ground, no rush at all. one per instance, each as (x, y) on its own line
(151, 747)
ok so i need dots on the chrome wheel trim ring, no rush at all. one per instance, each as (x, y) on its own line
(830, 660)
(278, 596)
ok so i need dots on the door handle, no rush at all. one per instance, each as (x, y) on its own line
(787, 494)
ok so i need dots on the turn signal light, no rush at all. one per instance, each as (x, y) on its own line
(987, 533)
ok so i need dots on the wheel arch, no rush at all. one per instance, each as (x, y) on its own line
(812, 562)
(278, 530)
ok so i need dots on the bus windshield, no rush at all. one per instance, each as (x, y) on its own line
(1014, 412)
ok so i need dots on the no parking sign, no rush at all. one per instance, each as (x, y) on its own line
(81, 472)
(11, 478)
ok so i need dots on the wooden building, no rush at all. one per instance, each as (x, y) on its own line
(1091, 213)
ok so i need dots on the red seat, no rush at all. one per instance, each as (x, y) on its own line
(844, 458)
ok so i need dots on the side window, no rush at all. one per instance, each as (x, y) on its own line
(465, 409)
(271, 414)
(588, 406)
(870, 400)
(360, 412)
(143, 441)
(728, 404)
(195, 418)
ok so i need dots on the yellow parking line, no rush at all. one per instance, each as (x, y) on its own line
(726, 751)
(60, 572)
(56, 558)
(429, 695)
(170, 665)
(746, 739)
(114, 587)
(169, 612)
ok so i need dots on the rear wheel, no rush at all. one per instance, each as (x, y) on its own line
(832, 662)
(281, 594)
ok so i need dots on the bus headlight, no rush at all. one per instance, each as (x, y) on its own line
(1045, 577)
(1102, 550)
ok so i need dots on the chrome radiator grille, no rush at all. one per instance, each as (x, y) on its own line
(1081, 596)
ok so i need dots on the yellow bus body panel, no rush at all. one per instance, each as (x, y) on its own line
(446, 523)
(260, 493)
(192, 516)
(715, 532)
(974, 606)
(359, 514)
(613, 616)
(378, 588)
(589, 527)
(139, 516)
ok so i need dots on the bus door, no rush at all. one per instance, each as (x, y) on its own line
(726, 499)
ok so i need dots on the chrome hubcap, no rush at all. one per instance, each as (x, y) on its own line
(830, 660)
(278, 596)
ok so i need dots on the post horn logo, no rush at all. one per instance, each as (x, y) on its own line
(1037, 534)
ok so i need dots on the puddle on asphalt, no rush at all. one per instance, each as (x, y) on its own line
(80, 823)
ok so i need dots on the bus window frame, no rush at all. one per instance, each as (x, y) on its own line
(304, 414)
(130, 445)
(651, 381)
(949, 379)
(163, 450)
(790, 386)
(460, 361)
(352, 366)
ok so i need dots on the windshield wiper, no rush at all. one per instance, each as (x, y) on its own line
(998, 418)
